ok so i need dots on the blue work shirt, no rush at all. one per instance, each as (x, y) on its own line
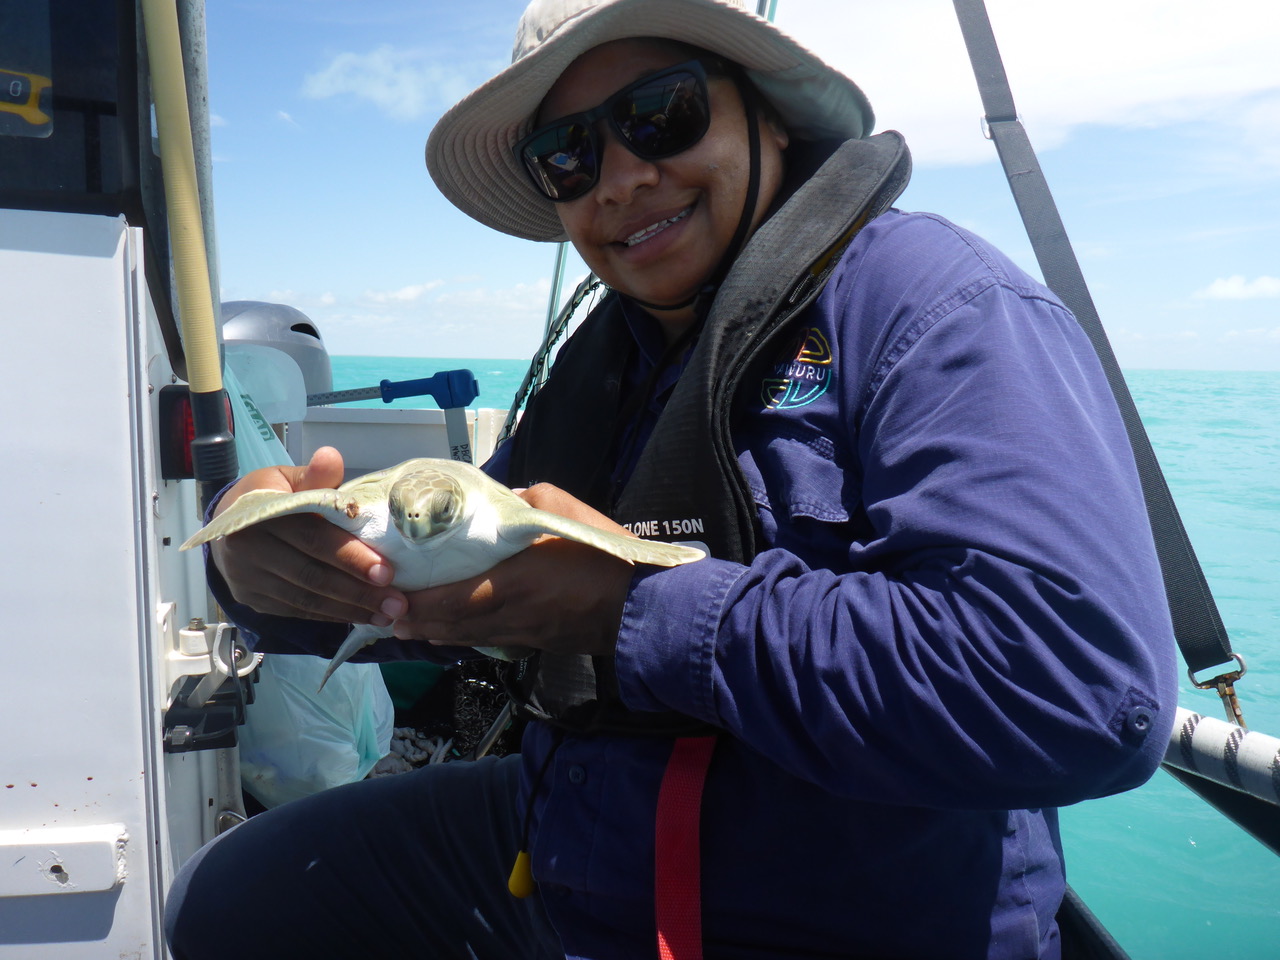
(955, 625)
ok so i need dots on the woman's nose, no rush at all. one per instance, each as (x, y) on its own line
(621, 171)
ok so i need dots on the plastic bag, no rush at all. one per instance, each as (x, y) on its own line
(296, 742)
(256, 443)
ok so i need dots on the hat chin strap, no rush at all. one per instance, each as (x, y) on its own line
(706, 293)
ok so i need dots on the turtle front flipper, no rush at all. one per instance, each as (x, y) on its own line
(631, 549)
(259, 505)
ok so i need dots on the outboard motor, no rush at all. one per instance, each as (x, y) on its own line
(283, 328)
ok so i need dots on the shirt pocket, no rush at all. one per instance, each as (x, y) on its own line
(808, 500)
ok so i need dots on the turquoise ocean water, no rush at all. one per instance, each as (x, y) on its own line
(1170, 878)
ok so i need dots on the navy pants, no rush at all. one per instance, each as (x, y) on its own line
(413, 865)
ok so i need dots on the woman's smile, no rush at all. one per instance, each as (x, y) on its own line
(651, 231)
(656, 230)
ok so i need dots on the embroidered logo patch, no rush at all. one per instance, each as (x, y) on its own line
(803, 377)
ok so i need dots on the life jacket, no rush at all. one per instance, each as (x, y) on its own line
(687, 484)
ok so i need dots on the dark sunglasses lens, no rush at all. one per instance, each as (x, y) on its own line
(656, 117)
(663, 116)
(562, 160)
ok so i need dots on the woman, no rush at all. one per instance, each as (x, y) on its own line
(932, 611)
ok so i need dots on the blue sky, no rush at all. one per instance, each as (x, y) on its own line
(1157, 123)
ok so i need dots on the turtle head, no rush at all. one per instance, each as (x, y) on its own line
(424, 507)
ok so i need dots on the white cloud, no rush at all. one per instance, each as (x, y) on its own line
(404, 294)
(479, 301)
(293, 298)
(402, 84)
(466, 319)
(1129, 335)
(217, 121)
(287, 118)
(1139, 63)
(1255, 335)
(1238, 288)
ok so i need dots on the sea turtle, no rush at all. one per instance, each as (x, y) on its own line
(436, 521)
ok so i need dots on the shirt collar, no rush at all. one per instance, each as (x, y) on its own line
(645, 331)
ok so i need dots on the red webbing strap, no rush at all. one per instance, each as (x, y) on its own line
(678, 862)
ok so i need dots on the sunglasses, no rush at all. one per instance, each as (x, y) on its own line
(658, 116)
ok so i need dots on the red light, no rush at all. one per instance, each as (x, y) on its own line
(176, 430)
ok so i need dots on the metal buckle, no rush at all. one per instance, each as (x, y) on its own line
(1225, 685)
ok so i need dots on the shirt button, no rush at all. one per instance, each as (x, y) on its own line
(1138, 720)
(577, 774)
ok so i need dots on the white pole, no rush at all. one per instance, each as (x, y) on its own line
(1225, 753)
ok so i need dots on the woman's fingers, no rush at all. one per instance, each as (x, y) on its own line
(556, 595)
(302, 565)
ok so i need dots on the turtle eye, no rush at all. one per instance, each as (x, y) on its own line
(444, 507)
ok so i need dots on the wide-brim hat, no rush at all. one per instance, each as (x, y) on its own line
(469, 152)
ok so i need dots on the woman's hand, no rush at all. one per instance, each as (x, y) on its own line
(302, 565)
(556, 595)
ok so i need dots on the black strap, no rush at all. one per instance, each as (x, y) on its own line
(1196, 622)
